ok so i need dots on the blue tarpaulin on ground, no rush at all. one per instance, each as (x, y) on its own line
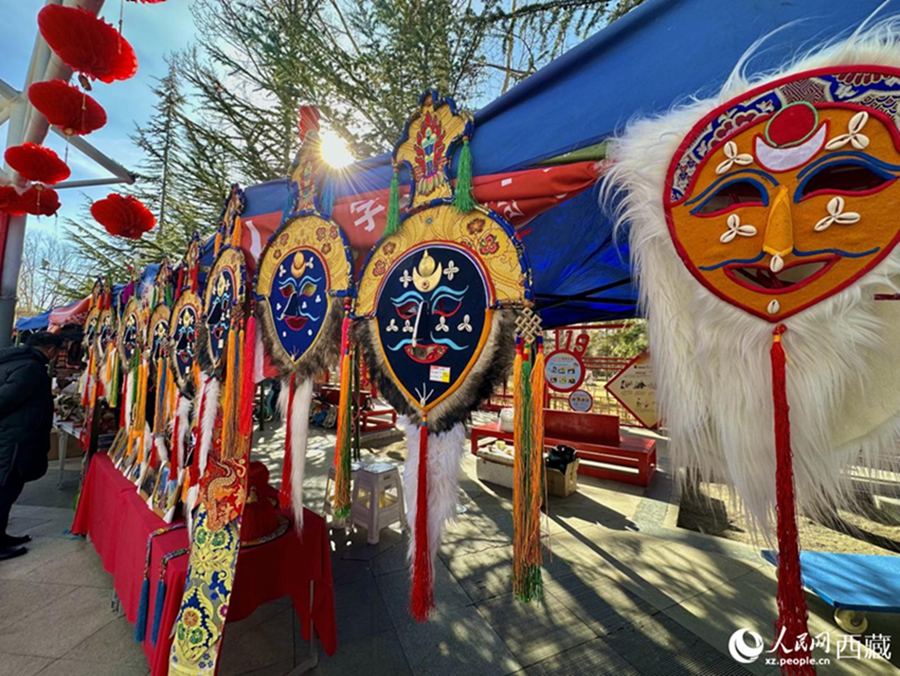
(658, 55)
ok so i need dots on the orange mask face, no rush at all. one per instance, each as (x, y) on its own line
(775, 203)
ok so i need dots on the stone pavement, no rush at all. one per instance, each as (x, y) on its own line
(625, 593)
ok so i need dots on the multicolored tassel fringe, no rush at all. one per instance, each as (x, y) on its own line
(527, 468)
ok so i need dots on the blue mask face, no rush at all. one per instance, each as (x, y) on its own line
(106, 330)
(299, 301)
(129, 337)
(185, 337)
(431, 317)
(158, 339)
(218, 315)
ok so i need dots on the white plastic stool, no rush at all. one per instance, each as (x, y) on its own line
(377, 499)
(328, 507)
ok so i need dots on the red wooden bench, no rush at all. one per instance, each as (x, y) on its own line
(603, 452)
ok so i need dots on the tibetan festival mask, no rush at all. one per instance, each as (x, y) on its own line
(91, 322)
(91, 326)
(226, 288)
(130, 336)
(106, 331)
(434, 297)
(303, 279)
(785, 196)
(183, 327)
(223, 302)
(158, 333)
(768, 212)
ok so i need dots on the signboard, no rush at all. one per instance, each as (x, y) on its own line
(635, 388)
(581, 401)
(564, 371)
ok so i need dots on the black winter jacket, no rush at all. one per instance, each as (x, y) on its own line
(26, 413)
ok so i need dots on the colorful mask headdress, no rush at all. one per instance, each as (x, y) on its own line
(436, 308)
(183, 327)
(161, 302)
(107, 353)
(134, 361)
(303, 289)
(89, 344)
(226, 356)
(763, 230)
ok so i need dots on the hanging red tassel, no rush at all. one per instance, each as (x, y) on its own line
(176, 439)
(421, 601)
(792, 611)
(284, 495)
(248, 380)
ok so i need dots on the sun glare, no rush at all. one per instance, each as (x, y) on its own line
(335, 151)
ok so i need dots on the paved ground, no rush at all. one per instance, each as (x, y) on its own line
(626, 593)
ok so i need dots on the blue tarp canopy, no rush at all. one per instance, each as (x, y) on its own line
(655, 57)
(36, 323)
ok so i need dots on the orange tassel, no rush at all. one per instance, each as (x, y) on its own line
(344, 432)
(236, 233)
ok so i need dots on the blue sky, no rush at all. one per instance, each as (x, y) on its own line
(154, 30)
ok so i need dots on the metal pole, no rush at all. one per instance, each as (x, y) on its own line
(27, 125)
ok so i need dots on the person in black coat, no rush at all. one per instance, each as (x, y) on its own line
(26, 419)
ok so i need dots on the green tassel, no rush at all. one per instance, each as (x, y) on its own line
(462, 198)
(393, 214)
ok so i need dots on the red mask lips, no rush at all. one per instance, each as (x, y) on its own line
(791, 277)
(296, 323)
(425, 354)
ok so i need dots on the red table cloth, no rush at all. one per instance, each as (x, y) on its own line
(119, 523)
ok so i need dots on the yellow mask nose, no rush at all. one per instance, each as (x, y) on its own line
(779, 239)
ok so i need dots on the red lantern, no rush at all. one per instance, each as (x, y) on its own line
(87, 44)
(9, 200)
(123, 216)
(37, 200)
(37, 163)
(67, 107)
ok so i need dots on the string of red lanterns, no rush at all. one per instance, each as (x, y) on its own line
(95, 50)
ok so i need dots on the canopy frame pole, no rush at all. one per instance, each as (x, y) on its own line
(27, 125)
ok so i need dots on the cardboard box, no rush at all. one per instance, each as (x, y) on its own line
(494, 468)
(563, 485)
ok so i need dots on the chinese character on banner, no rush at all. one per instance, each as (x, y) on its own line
(365, 212)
